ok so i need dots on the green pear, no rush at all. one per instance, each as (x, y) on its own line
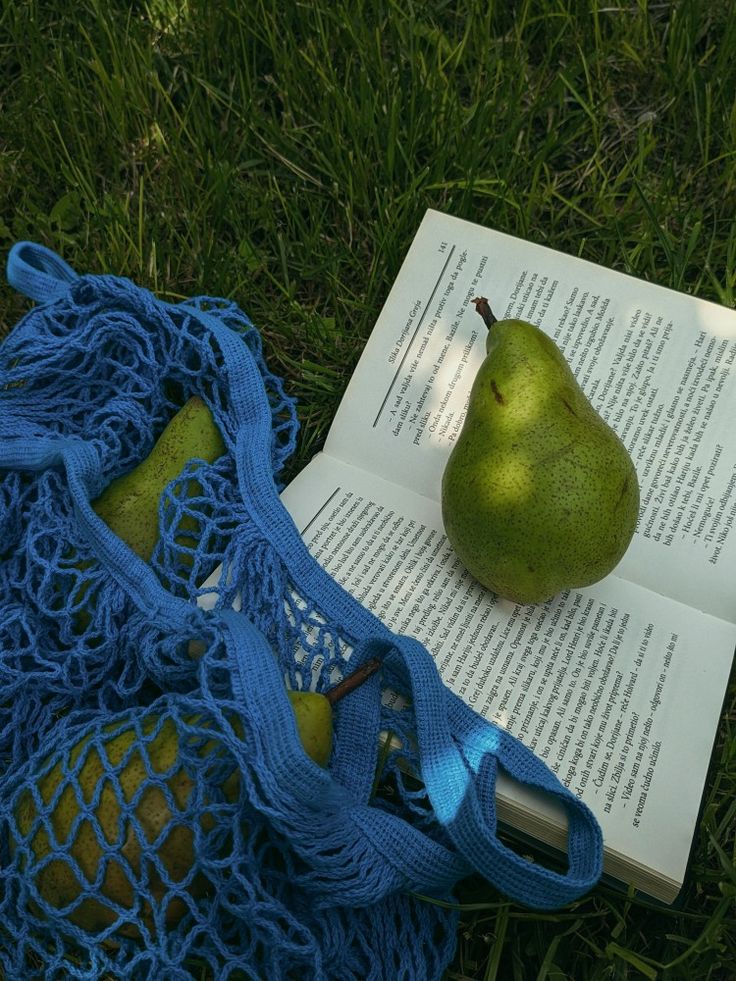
(124, 753)
(57, 882)
(129, 504)
(539, 494)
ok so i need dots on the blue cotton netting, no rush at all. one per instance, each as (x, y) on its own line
(159, 816)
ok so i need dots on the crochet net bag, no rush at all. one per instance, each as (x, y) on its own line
(122, 697)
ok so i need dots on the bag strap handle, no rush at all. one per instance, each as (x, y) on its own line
(460, 753)
(38, 273)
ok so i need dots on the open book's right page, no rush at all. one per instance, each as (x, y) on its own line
(656, 364)
(617, 688)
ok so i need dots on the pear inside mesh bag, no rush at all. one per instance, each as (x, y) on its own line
(141, 831)
(114, 828)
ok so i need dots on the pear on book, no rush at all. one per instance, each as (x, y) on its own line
(539, 494)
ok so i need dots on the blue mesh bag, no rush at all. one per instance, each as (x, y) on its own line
(160, 818)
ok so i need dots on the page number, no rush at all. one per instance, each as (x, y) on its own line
(443, 247)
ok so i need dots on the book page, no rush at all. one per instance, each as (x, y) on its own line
(616, 688)
(659, 366)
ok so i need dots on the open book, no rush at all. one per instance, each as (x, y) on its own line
(618, 686)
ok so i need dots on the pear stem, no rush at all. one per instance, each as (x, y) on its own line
(483, 307)
(352, 681)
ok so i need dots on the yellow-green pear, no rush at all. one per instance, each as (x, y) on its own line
(124, 753)
(129, 504)
(539, 494)
(57, 882)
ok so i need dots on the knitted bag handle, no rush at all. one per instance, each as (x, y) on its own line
(459, 751)
(38, 273)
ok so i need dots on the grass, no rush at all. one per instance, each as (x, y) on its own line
(283, 154)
